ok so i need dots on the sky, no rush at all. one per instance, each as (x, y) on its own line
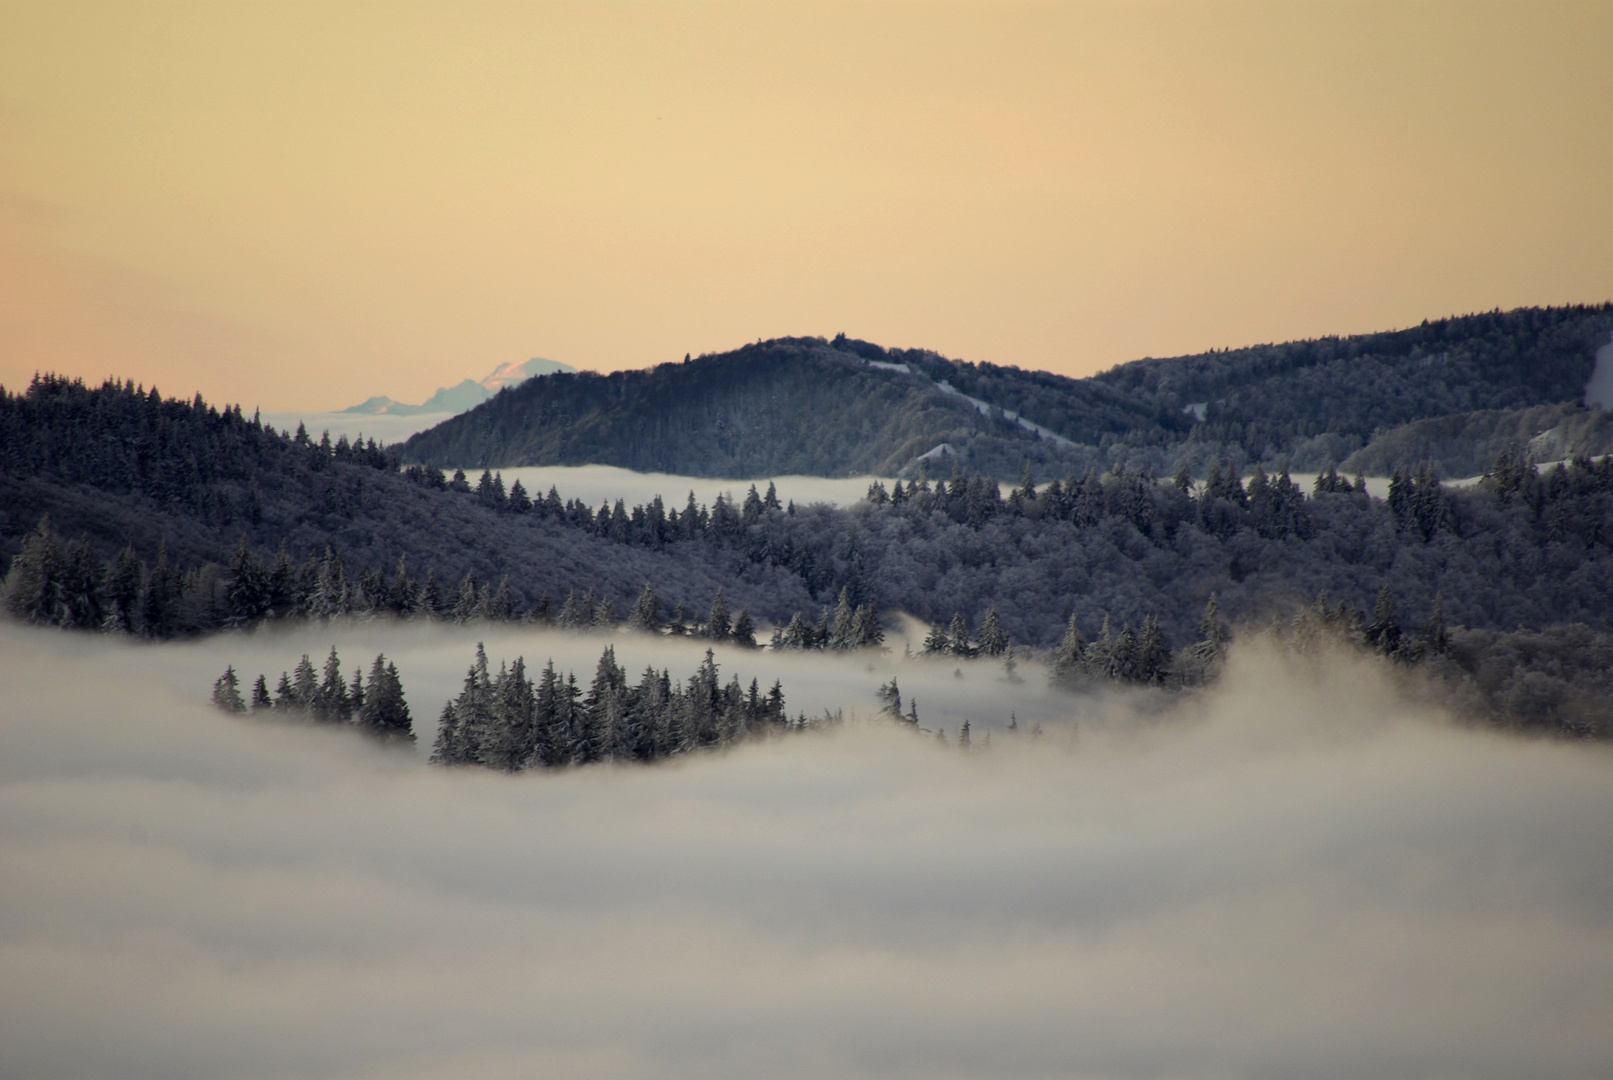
(1297, 874)
(296, 206)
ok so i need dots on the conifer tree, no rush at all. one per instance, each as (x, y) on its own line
(355, 694)
(891, 695)
(1384, 630)
(284, 700)
(865, 629)
(466, 602)
(260, 695)
(503, 606)
(123, 584)
(385, 714)
(227, 692)
(796, 634)
(963, 736)
(937, 641)
(570, 612)
(330, 703)
(160, 597)
(646, 614)
(430, 602)
(248, 594)
(33, 584)
(718, 627)
(1153, 653)
(1069, 659)
(993, 642)
(958, 636)
(744, 633)
(304, 685)
(842, 634)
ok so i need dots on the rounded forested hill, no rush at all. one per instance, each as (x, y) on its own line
(846, 407)
(774, 408)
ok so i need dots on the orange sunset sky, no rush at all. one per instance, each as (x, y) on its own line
(299, 205)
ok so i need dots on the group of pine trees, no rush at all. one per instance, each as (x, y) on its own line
(1274, 507)
(956, 639)
(847, 628)
(377, 706)
(652, 524)
(1140, 658)
(511, 722)
(64, 584)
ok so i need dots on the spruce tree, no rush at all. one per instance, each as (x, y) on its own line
(430, 601)
(304, 685)
(718, 627)
(330, 703)
(260, 695)
(794, 635)
(385, 714)
(570, 612)
(841, 633)
(1069, 659)
(646, 614)
(744, 633)
(1153, 653)
(467, 603)
(958, 636)
(355, 694)
(993, 642)
(122, 590)
(284, 700)
(227, 692)
(937, 640)
(33, 583)
(1384, 630)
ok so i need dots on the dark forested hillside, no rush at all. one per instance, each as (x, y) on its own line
(788, 406)
(119, 467)
(845, 407)
(1318, 401)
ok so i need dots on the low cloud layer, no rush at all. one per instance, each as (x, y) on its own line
(1296, 876)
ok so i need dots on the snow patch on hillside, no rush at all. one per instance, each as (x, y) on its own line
(988, 409)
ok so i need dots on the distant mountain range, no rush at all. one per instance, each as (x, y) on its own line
(467, 394)
(1455, 391)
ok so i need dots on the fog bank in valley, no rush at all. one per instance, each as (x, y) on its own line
(1296, 875)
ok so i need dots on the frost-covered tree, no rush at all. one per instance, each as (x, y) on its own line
(227, 692)
(385, 714)
(646, 614)
(993, 641)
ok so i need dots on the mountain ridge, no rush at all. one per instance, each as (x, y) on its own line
(466, 394)
(842, 406)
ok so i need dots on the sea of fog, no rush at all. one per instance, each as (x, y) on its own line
(1299, 874)
(595, 484)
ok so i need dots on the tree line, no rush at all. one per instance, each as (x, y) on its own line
(511, 722)
(376, 707)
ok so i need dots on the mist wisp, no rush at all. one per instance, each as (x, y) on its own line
(1296, 874)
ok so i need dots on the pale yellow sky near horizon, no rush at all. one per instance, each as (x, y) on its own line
(295, 206)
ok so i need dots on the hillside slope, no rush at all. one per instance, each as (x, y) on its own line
(786, 406)
(843, 407)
